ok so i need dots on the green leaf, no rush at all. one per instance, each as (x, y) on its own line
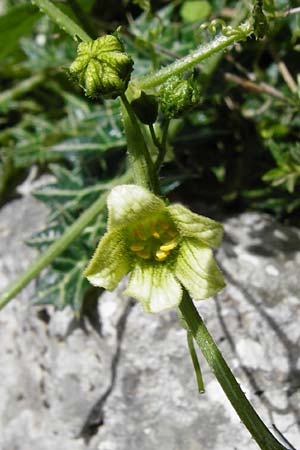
(68, 289)
(143, 4)
(290, 182)
(13, 25)
(86, 5)
(273, 174)
(293, 205)
(84, 147)
(65, 283)
(179, 95)
(191, 11)
(295, 153)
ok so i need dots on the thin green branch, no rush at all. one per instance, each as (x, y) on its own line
(154, 137)
(187, 62)
(60, 245)
(232, 389)
(195, 361)
(62, 20)
(163, 147)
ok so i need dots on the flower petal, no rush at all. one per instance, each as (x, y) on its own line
(197, 270)
(193, 225)
(129, 203)
(109, 263)
(155, 286)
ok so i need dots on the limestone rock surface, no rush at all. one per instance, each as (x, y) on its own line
(129, 384)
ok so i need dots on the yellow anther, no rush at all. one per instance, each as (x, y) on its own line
(164, 225)
(153, 231)
(145, 254)
(160, 255)
(155, 234)
(140, 233)
(168, 246)
(136, 247)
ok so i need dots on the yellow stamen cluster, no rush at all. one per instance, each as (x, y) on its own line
(154, 239)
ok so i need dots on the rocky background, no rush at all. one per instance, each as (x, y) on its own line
(126, 381)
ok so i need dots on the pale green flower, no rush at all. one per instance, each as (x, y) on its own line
(164, 248)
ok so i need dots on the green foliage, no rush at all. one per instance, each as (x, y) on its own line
(143, 4)
(237, 149)
(259, 18)
(66, 198)
(287, 172)
(195, 10)
(179, 95)
(222, 142)
(17, 22)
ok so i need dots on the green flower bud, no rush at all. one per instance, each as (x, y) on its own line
(146, 108)
(102, 67)
(260, 23)
(178, 96)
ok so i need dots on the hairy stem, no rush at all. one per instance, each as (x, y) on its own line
(138, 154)
(187, 62)
(60, 245)
(249, 417)
(62, 20)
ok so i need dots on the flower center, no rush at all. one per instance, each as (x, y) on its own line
(154, 238)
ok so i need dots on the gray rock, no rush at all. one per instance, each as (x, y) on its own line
(130, 384)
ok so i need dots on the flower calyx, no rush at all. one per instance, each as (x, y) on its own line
(146, 108)
(102, 67)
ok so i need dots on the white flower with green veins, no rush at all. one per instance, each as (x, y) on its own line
(164, 248)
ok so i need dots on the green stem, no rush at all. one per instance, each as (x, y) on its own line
(154, 137)
(62, 20)
(210, 66)
(163, 147)
(60, 245)
(138, 154)
(197, 368)
(21, 88)
(244, 409)
(204, 51)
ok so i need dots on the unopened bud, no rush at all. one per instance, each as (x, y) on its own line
(102, 67)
